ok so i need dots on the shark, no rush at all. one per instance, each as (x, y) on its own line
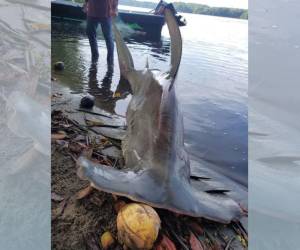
(157, 166)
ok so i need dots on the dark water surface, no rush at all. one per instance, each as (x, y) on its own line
(212, 82)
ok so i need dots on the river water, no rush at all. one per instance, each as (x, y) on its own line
(212, 82)
(274, 137)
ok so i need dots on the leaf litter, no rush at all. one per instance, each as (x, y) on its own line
(79, 219)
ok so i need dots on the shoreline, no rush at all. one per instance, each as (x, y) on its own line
(78, 223)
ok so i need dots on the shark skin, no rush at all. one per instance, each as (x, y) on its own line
(157, 168)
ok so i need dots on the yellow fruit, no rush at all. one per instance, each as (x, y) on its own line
(138, 226)
(107, 240)
(116, 94)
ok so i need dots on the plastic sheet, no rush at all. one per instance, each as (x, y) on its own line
(25, 125)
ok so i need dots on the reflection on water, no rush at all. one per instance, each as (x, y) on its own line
(106, 98)
(212, 82)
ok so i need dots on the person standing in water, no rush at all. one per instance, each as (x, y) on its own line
(101, 11)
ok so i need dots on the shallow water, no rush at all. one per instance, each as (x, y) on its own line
(212, 82)
(274, 138)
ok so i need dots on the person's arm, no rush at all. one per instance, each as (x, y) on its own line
(115, 3)
(84, 6)
(114, 7)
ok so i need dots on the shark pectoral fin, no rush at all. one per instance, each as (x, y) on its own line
(104, 177)
(216, 206)
(176, 42)
(149, 187)
(138, 186)
(125, 58)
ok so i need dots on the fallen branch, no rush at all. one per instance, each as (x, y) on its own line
(229, 243)
(61, 103)
(81, 127)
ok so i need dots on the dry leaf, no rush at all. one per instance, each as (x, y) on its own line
(196, 228)
(67, 125)
(62, 143)
(216, 246)
(76, 147)
(59, 210)
(195, 243)
(84, 192)
(56, 197)
(104, 141)
(60, 135)
(118, 205)
(165, 244)
(97, 200)
(115, 197)
(93, 122)
(88, 152)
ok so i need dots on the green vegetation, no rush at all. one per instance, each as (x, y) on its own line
(214, 11)
(191, 8)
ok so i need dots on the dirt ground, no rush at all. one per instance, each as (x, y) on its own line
(78, 222)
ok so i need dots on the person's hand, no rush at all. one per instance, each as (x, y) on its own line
(85, 7)
(114, 8)
(114, 13)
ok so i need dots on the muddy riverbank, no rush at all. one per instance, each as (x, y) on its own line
(80, 215)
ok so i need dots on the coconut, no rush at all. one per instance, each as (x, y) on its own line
(138, 226)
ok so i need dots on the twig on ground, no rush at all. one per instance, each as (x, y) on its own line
(77, 124)
(229, 243)
(93, 113)
(115, 163)
(73, 157)
(179, 240)
(61, 103)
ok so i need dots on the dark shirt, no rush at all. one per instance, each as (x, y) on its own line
(101, 8)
